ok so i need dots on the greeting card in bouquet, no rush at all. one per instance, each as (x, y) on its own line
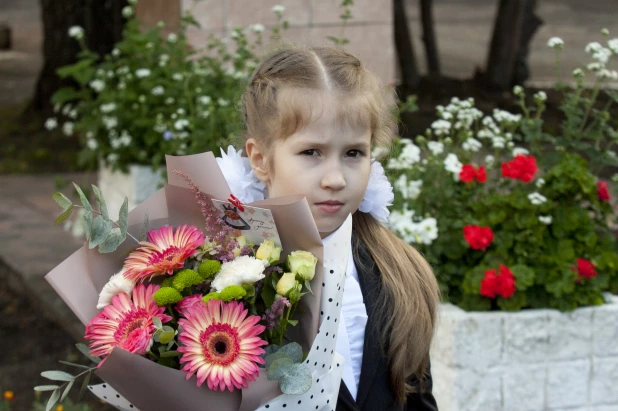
(200, 309)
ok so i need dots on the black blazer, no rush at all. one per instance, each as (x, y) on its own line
(374, 390)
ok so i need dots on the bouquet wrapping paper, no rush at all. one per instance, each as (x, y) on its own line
(134, 382)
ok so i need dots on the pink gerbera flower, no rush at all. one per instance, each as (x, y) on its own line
(164, 251)
(126, 323)
(221, 344)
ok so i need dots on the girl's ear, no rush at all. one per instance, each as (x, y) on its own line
(257, 159)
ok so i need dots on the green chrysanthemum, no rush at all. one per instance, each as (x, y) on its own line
(186, 278)
(166, 296)
(168, 282)
(211, 296)
(209, 268)
(232, 292)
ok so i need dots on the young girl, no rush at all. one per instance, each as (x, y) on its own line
(312, 117)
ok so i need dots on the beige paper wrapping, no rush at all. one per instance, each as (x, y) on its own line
(147, 385)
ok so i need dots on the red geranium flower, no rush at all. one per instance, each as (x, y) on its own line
(602, 191)
(520, 168)
(503, 284)
(479, 238)
(481, 175)
(585, 268)
(467, 173)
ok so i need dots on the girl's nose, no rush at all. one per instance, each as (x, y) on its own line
(333, 178)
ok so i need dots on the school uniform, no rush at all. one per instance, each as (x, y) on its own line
(365, 384)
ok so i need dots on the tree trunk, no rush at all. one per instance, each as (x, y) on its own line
(429, 38)
(505, 44)
(530, 25)
(102, 21)
(406, 59)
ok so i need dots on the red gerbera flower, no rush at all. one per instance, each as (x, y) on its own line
(479, 238)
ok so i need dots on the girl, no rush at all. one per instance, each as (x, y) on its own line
(312, 117)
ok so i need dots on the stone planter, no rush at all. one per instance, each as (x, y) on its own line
(139, 184)
(531, 360)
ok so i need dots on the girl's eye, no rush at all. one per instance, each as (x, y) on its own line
(310, 152)
(355, 153)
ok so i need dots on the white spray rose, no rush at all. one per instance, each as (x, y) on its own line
(241, 270)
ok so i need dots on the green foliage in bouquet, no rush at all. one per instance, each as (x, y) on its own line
(155, 95)
(507, 227)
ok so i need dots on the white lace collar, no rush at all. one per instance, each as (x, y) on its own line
(248, 188)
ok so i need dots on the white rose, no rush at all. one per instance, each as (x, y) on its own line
(241, 270)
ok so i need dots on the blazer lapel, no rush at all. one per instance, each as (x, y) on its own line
(345, 398)
(370, 287)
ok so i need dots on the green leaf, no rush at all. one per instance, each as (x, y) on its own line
(52, 400)
(100, 230)
(64, 94)
(88, 223)
(123, 218)
(63, 217)
(156, 321)
(293, 350)
(83, 348)
(524, 276)
(62, 200)
(143, 236)
(84, 386)
(293, 322)
(308, 285)
(42, 388)
(271, 349)
(166, 337)
(297, 380)
(279, 368)
(270, 358)
(268, 294)
(101, 201)
(112, 242)
(514, 303)
(67, 390)
(57, 375)
(83, 198)
(74, 365)
(169, 354)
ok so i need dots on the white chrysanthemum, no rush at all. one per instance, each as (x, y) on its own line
(379, 194)
(409, 156)
(97, 85)
(593, 47)
(540, 96)
(540, 183)
(472, 144)
(172, 37)
(503, 116)
(158, 91)
(519, 150)
(423, 232)
(613, 45)
(278, 9)
(143, 72)
(578, 73)
(181, 124)
(602, 55)
(441, 127)
(537, 198)
(257, 28)
(240, 176)
(607, 74)
(107, 108)
(518, 90)
(436, 147)
(241, 270)
(205, 100)
(545, 219)
(595, 66)
(76, 32)
(92, 144)
(498, 142)
(555, 43)
(427, 231)
(410, 190)
(452, 164)
(109, 122)
(51, 123)
(117, 284)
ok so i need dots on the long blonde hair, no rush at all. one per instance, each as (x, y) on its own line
(275, 105)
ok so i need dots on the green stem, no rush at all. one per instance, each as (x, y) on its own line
(116, 224)
(593, 99)
(169, 307)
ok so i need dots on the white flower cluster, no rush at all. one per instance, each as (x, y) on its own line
(545, 219)
(410, 190)
(555, 43)
(117, 142)
(410, 155)
(453, 165)
(424, 231)
(76, 32)
(472, 144)
(462, 112)
(537, 198)
(519, 151)
(435, 147)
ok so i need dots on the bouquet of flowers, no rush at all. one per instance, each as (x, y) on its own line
(214, 296)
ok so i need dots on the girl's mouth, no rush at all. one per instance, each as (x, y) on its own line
(330, 206)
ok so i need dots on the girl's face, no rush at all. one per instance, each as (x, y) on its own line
(327, 161)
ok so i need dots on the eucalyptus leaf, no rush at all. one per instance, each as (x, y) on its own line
(101, 200)
(67, 390)
(271, 349)
(84, 386)
(57, 375)
(63, 217)
(100, 230)
(143, 236)
(123, 217)
(270, 358)
(292, 350)
(42, 388)
(52, 400)
(83, 198)
(166, 337)
(297, 380)
(112, 242)
(62, 200)
(88, 223)
(169, 354)
(279, 368)
(83, 348)
(157, 322)
(74, 365)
